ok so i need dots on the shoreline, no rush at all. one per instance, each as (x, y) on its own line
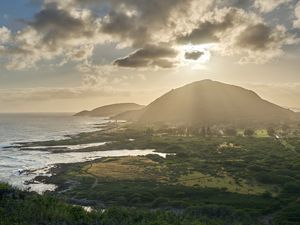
(68, 139)
(22, 176)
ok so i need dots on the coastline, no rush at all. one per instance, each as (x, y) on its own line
(34, 162)
(110, 141)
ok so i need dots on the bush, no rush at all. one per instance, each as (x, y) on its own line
(249, 132)
(230, 132)
(292, 187)
(160, 202)
(271, 132)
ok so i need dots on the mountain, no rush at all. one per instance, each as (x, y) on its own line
(296, 109)
(211, 102)
(110, 110)
(131, 115)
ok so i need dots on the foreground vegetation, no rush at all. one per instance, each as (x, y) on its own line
(22, 208)
(237, 176)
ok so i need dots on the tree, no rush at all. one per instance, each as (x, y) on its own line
(208, 131)
(203, 131)
(149, 132)
(249, 132)
(230, 132)
(271, 132)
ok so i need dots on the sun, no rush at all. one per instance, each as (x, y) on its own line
(195, 54)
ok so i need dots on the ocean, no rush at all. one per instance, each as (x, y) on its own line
(42, 126)
(19, 167)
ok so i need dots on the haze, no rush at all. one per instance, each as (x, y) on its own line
(72, 55)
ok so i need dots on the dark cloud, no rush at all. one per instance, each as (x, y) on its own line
(116, 23)
(205, 33)
(138, 20)
(125, 27)
(151, 55)
(164, 63)
(244, 4)
(256, 37)
(208, 31)
(53, 17)
(55, 25)
(151, 11)
(154, 51)
(131, 62)
(194, 55)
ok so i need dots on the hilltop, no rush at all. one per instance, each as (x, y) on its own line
(210, 102)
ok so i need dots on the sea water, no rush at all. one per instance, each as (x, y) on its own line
(19, 167)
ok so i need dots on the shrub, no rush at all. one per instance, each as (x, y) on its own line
(249, 132)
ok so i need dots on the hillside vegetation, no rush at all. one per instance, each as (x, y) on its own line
(110, 110)
(211, 102)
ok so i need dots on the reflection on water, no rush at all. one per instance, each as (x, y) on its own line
(43, 126)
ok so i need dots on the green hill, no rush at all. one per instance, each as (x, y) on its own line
(110, 110)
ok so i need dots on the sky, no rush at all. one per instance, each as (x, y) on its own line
(70, 55)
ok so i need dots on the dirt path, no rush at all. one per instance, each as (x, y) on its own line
(90, 174)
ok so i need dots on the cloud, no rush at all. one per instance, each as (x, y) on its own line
(260, 43)
(124, 28)
(45, 94)
(297, 15)
(194, 55)
(57, 27)
(205, 33)
(240, 33)
(97, 76)
(70, 31)
(53, 32)
(140, 22)
(209, 30)
(269, 5)
(154, 51)
(151, 55)
(5, 35)
(256, 37)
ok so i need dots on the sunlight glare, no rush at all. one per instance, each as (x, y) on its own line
(204, 49)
